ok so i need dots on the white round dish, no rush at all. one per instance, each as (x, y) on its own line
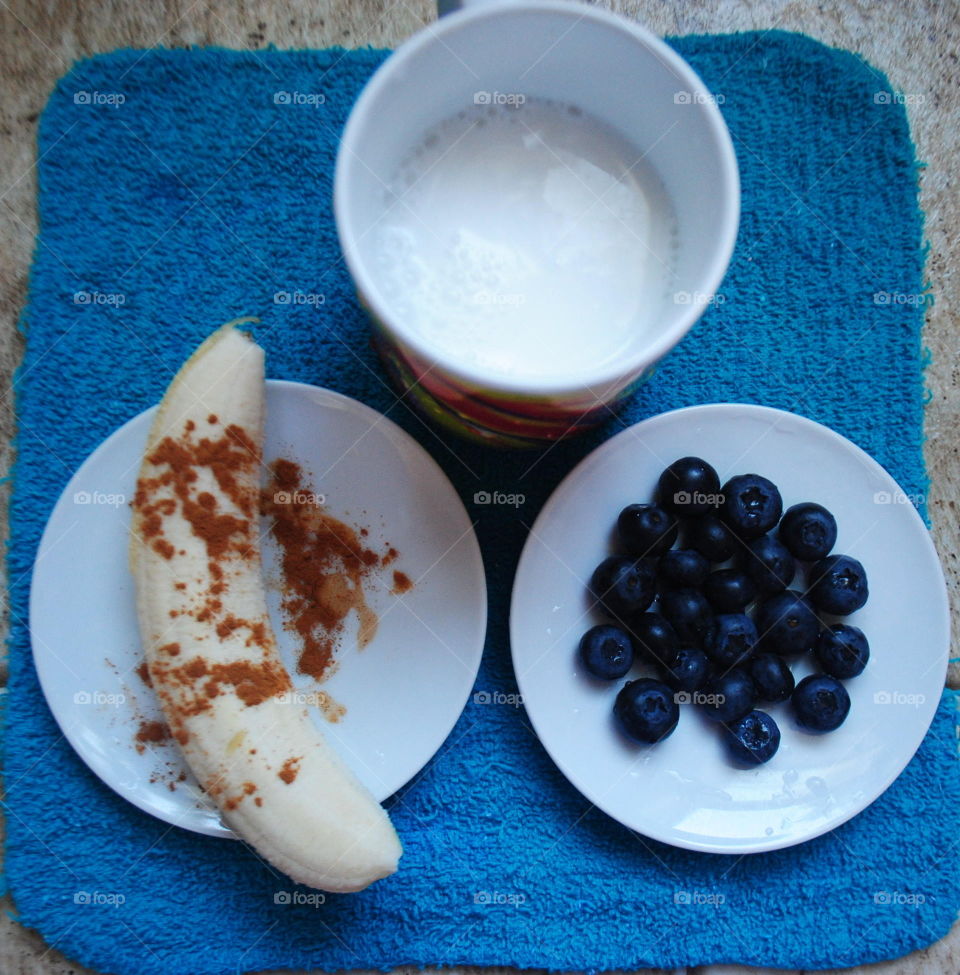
(414, 676)
(683, 790)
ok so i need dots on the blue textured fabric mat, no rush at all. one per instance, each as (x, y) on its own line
(178, 180)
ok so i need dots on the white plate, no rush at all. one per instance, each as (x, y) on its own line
(403, 692)
(683, 791)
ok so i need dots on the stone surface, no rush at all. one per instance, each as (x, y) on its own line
(915, 43)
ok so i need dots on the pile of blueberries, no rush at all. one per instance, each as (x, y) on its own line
(684, 610)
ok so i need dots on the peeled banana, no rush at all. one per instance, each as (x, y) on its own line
(210, 650)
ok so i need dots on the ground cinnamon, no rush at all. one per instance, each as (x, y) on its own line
(289, 769)
(324, 564)
(324, 568)
(401, 583)
(196, 682)
(179, 461)
(248, 790)
(151, 733)
(188, 686)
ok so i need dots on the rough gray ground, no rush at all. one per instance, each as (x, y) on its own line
(915, 43)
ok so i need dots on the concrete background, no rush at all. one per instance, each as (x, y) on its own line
(915, 43)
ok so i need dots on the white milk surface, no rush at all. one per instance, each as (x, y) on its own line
(529, 241)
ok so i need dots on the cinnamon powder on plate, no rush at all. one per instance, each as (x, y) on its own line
(325, 564)
(151, 733)
(401, 583)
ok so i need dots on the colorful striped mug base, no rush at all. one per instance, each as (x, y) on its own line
(515, 422)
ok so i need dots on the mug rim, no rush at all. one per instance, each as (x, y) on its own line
(612, 375)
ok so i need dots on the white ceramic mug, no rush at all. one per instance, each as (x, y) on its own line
(570, 53)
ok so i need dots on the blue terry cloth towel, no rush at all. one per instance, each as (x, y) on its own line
(198, 197)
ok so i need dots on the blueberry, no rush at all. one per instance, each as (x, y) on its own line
(769, 563)
(606, 651)
(654, 638)
(729, 590)
(787, 623)
(842, 651)
(645, 529)
(733, 639)
(623, 586)
(688, 612)
(646, 710)
(711, 538)
(772, 677)
(689, 670)
(754, 739)
(689, 486)
(729, 697)
(682, 568)
(751, 505)
(820, 702)
(809, 531)
(838, 585)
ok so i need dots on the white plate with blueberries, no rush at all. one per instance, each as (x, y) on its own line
(730, 628)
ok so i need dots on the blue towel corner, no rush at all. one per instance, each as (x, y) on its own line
(196, 197)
